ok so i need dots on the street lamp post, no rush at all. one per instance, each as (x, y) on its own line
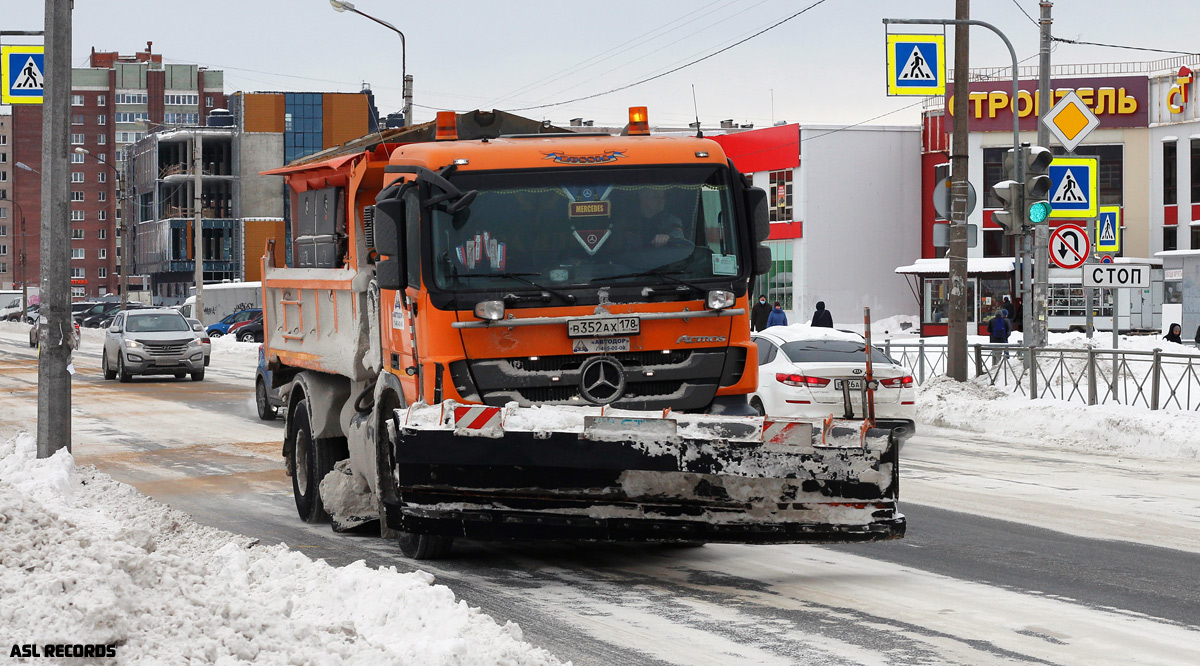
(126, 260)
(343, 6)
(24, 266)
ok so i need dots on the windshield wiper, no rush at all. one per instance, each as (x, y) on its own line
(669, 275)
(523, 277)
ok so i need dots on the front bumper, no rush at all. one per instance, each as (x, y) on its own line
(140, 364)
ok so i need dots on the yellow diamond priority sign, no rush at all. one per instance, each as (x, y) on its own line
(1070, 121)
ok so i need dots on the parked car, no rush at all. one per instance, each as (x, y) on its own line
(38, 323)
(205, 342)
(93, 309)
(222, 327)
(266, 399)
(809, 372)
(151, 341)
(250, 331)
(10, 308)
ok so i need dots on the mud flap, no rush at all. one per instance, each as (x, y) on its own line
(631, 478)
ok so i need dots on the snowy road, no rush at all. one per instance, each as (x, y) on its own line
(998, 567)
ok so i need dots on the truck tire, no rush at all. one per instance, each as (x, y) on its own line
(424, 546)
(311, 459)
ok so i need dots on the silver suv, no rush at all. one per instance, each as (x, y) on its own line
(151, 342)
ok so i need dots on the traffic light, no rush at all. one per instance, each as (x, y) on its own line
(1011, 215)
(1037, 183)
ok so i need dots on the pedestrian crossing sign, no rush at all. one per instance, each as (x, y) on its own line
(1073, 187)
(916, 65)
(1108, 229)
(23, 69)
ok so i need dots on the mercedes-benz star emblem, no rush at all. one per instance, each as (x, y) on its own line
(601, 380)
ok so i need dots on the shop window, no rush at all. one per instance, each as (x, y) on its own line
(780, 195)
(1173, 292)
(937, 301)
(991, 297)
(1195, 145)
(776, 285)
(993, 172)
(1170, 173)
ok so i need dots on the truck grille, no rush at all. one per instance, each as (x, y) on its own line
(677, 378)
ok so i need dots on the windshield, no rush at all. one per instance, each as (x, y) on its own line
(155, 323)
(831, 351)
(587, 226)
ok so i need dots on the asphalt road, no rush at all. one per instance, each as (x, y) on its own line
(959, 589)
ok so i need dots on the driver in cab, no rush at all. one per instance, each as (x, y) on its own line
(653, 225)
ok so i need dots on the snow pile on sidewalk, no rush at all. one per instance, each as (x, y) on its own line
(86, 560)
(975, 406)
(228, 347)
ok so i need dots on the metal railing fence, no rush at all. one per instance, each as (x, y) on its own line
(1093, 376)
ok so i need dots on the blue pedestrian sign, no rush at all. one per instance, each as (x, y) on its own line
(23, 69)
(1073, 187)
(1108, 229)
(916, 65)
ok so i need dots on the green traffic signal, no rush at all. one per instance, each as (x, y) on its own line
(1039, 211)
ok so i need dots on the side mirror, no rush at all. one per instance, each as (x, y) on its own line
(389, 221)
(759, 217)
(199, 328)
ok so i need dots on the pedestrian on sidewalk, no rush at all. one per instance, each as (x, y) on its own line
(822, 317)
(777, 317)
(1173, 334)
(759, 314)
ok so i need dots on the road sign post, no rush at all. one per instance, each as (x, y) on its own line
(916, 65)
(1108, 229)
(1069, 246)
(23, 70)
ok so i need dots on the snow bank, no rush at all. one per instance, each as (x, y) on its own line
(86, 560)
(975, 406)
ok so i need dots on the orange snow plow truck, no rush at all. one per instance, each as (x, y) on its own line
(485, 333)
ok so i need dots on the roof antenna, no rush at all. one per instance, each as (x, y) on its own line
(699, 134)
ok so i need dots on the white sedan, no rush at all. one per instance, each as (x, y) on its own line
(814, 372)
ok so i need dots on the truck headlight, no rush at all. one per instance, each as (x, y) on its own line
(133, 344)
(719, 299)
(490, 310)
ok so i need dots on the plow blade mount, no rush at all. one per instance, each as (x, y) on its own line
(582, 473)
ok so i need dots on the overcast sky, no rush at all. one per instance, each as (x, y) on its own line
(824, 66)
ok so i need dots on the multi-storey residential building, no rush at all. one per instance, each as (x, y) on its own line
(115, 101)
(10, 218)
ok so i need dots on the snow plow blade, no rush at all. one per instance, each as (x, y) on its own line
(587, 474)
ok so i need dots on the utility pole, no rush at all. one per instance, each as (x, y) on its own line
(1041, 232)
(57, 338)
(956, 352)
(123, 227)
(198, 204)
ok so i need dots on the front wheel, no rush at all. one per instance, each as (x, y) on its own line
(424, 546)
(122, 373)
(215, 334)
(109, 374)
(198, 376)
(246, 337)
